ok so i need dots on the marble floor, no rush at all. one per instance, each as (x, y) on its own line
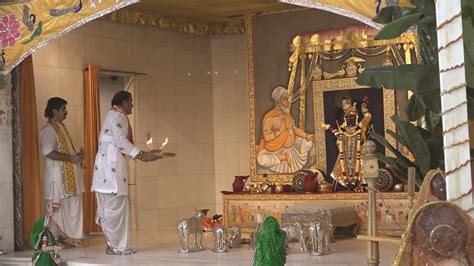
(159, 247)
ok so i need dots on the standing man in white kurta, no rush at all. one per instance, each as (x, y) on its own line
(63, 177)
(110, 181)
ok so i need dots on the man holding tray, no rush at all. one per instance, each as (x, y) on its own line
(110, 180)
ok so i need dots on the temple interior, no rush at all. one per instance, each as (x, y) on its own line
(210, 82)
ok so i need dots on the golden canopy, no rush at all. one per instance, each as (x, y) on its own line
(28, 25)
(31, 24)
(361, 10)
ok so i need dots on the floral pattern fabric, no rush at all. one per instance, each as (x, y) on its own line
(9, 30)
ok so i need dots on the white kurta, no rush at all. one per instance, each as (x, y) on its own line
(68, 220)
(111, 162)
(53, 177)
(110, 181)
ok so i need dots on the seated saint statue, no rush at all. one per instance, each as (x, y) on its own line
(283, 147)
(350, 135)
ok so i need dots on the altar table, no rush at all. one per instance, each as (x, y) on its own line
(246, 210)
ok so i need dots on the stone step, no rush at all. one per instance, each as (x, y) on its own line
(6, 260)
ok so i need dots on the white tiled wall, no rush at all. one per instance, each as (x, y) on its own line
(58, 72)
(6, 179)
(177, 88)
(195, 94)
(231, 139)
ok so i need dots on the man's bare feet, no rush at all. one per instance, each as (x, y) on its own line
(64, 244)
(67, 243)
(110, 251)
(128, 251)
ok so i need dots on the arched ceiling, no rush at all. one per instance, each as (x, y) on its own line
(210, 11)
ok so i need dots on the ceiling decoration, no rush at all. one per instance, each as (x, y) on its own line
(11, 2)
(201, 17)
(209, 10)
(214, 17)
(26, 26)
(146, 18)
(361, 10)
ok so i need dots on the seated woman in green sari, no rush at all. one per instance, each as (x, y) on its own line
(270, 244)
(44, 244)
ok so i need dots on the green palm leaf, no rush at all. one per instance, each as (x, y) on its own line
(416, 143)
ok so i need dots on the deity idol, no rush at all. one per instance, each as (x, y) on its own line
(350, 135)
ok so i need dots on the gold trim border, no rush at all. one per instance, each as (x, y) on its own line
(321, 86)
(380, 232)
(156, 20)
(312, 196)
(251, 98)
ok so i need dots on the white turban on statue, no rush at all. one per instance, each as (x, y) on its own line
(278, 92)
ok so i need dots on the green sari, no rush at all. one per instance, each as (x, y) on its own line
(270, 244)
(43, 257)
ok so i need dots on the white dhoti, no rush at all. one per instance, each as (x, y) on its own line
(67, 221)
(299, 154)
(113, 217)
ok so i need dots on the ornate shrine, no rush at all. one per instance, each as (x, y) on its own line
(328, 68)
(323, 68)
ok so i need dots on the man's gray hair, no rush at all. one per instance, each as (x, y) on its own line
(278, 92)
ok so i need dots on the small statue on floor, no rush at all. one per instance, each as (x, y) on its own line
(188, 226)
(235, 238)
(297, 230)
(2, 251)
(44, 244)
(209, 223)
(220, 239)
(320, 235)
(253, 236)
(270, 244)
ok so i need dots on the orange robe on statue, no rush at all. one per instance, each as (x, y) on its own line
(279, 141)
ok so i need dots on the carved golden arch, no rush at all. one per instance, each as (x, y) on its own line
(304, 61)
